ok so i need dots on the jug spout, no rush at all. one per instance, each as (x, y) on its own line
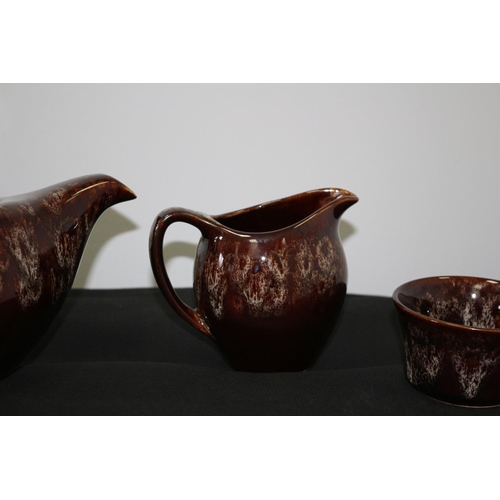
(42, 238)
(342, 201)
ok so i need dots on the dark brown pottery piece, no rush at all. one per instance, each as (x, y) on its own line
(42, 238)
(451, 335)
(269, 280)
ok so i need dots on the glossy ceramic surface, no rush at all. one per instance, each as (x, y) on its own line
(42, 238)
(269, 280)
(451, 335)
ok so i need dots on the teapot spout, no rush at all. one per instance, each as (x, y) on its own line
(99, 191)
(81, 203)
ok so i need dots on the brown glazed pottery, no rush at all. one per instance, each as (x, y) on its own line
(451, 335)
(269, 280)
(42, 238)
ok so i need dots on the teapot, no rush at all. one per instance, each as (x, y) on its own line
(269, 280)
(42, 238)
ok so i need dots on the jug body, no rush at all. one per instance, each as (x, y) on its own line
(270, 280)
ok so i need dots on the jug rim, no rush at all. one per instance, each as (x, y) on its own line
(342, 195)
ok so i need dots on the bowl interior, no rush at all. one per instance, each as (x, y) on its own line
(466, 301)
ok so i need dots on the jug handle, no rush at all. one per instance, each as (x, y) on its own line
(165, 218)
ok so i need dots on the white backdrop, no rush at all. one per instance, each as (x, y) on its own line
(423, 159)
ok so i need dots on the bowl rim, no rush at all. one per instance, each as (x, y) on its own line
(418, 315)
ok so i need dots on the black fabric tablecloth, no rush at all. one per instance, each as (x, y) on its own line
(125, 352)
